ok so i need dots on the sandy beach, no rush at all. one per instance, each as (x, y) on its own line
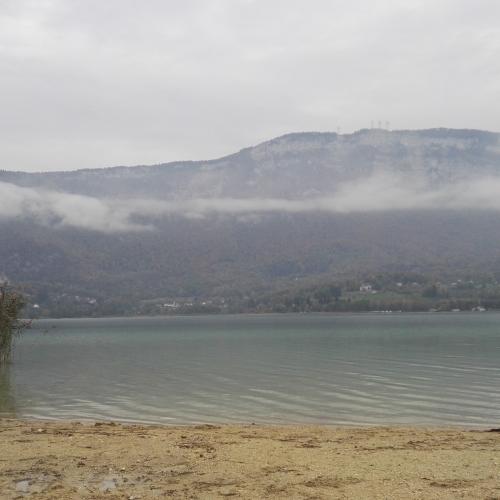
(106, 460)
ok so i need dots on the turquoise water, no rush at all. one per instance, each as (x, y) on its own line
(435, 369)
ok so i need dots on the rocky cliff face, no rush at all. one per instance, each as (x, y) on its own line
(293, 166)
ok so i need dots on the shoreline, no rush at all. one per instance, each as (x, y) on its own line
(267, 314)
(66, 459)
(334, 425)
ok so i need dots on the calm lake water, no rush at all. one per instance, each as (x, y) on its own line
(436, 369)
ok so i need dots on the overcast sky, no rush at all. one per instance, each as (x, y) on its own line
(92, 83)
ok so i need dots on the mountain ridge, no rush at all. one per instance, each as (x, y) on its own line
(289, 135)
(300, 209)
(309, 163)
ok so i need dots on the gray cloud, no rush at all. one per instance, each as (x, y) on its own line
(64, 209)
(89, 83)
(379, 193)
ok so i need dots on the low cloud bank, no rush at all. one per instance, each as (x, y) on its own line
(379, 193)
(64, 209)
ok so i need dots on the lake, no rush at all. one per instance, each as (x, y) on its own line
(366, 369)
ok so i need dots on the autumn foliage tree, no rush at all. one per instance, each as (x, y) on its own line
(11, 304)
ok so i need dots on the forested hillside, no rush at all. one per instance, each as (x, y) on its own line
(301, 211)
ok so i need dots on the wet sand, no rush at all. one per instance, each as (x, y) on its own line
(105, 460)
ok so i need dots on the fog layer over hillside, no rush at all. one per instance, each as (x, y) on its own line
(377, 193)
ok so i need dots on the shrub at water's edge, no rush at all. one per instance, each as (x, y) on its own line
(11, 304)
